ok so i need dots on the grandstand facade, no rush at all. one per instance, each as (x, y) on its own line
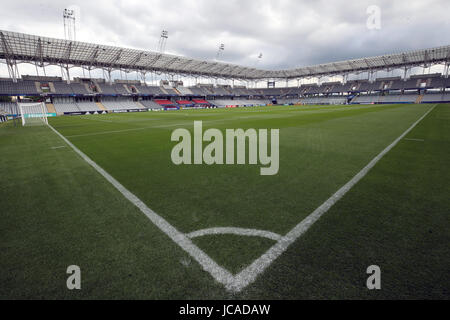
(81, 95)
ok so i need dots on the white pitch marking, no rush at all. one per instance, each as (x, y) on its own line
(217, 272)
(235, 231)
(249, 274)
(105, 132)
(96, 119)
(410, 139)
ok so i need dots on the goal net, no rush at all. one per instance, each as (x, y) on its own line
(33, 113)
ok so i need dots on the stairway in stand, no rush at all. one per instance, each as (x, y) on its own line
(50, 108)
(101, 106)
(419, 99)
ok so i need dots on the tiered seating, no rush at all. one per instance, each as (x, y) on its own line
(436, 97)
(119, 104)
(18, 88)
(120, 89)
(293, 91)
(254, 92)
(337, 88)
(107, 89)
(185, 102)
(197, 91)
(65, 105)
(411, 84)
(88, 106)
(398, 98)
(287, 101)
(365, 86)
(271, 91)
(207, 90)
(170, 91)
(62, 88)
(239, 102)
(391, 98)
(150, 104)
(165, 103)
(9, 107)
(220, 91)
(309, 89)
(323, 100)
(437, 82)
(200, 101)
(325, 87)
(351, 86)
(239, 92)
(151, 90)
(78, 88)
(185, 91)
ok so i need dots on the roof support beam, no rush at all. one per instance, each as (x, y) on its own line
(9, 57)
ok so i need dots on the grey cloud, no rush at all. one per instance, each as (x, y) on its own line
(289, 33)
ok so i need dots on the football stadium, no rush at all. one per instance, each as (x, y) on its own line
(130, 173)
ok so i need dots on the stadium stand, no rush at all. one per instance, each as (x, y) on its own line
(79, 88)
(323, 100)
(87, 106)
(165, 103)
(150, 104)
(9, 108)
(220, 91)
(62, 88)
(64, 104)
(285, 101)
(185, 102)
(436, 97)
(8, 87)
(271, 91)
(185, 91)
(239, 102)
(122, 89)
(106, 88)
(119, 103)
(73, 97)
(169, 91)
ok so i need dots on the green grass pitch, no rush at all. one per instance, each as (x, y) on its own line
(56, 210)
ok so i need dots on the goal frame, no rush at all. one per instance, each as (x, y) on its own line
(41, 114)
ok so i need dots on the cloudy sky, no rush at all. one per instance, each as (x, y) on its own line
(289, 33)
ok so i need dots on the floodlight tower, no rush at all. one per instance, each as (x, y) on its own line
(259, 58)
(257, 62)
(69, 25)
(162, 41)
(220, 51)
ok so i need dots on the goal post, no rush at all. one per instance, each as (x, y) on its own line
(33, 113)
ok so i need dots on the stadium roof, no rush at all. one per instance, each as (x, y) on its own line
(36, 49)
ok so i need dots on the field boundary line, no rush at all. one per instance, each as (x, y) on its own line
(209, 265)
(250, 273)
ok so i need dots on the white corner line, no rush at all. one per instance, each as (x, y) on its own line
(235, 231)
(217, 272)
(250, 273)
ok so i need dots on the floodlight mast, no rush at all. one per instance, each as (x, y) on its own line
(163, 41)
(69, 25)
(220, 51)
